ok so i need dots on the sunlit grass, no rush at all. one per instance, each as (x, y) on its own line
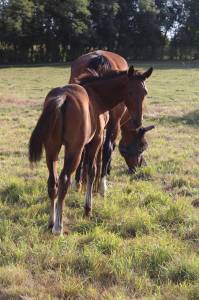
(143, 239)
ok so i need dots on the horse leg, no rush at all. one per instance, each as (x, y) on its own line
(71, 162)
(109, 146)
(98, 170)
(79, 173)
(109, 163)
(52, 190)
(92, 152)
(51, 160)
(106, 157)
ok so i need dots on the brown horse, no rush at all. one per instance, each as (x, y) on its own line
(132, 145)
(75, 117)
(98, 63)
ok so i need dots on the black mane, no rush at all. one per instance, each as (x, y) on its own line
(108, 75)
(100, 64)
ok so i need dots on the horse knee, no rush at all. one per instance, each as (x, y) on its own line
(64, 183)
(92, 171)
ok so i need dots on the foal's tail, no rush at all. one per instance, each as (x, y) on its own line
(45, 125)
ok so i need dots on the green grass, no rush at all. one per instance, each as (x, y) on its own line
(143, 239)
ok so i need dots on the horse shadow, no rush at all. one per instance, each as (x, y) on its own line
(189, 119)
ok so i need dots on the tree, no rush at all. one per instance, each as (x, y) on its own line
(103, 23)
(15, 25)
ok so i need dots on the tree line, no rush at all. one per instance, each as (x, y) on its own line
(60, 30)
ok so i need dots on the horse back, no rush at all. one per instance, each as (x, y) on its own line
(95, 59)
(78, 117)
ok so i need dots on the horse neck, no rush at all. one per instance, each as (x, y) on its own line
(127, 134)
(108, 92)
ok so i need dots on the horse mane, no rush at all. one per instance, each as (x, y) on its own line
(100, 64)
(108, 75)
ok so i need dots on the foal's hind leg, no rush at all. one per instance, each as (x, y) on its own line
(51, 160)
(71, 162)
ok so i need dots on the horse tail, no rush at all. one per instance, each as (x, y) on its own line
(46, 124)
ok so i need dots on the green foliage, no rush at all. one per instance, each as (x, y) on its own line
(52, 31)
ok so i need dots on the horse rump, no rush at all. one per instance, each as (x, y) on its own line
(45, 125)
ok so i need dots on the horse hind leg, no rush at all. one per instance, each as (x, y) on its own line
(71, 162)
(52, 184)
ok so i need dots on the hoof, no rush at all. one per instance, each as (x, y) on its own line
(57, 230)
(102, 187)
(50, 225)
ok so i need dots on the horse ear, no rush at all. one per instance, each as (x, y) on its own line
(131, 71)
(148, 128)
(148, 73)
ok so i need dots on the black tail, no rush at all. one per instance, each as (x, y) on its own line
(45, 125)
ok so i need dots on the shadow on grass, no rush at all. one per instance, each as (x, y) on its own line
(190, 119)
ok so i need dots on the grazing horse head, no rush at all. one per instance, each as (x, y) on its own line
(136, 94)
(132, 145)
(119, 86)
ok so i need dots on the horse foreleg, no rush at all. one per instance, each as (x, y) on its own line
(108, 148)
(79, 173)
(89, 189)
(106, 159)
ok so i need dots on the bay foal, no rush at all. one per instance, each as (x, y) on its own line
(75, 116)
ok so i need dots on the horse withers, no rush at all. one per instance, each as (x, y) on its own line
(75, 116)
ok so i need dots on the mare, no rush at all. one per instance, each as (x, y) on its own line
(99, 63)
(75, 116)
(132, 145)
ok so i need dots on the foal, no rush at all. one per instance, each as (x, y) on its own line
(75, 116)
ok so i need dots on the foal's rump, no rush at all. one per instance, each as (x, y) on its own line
(65, 118)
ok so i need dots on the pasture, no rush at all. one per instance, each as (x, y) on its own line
(143, 239)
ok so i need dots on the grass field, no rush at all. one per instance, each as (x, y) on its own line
(143, 239)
